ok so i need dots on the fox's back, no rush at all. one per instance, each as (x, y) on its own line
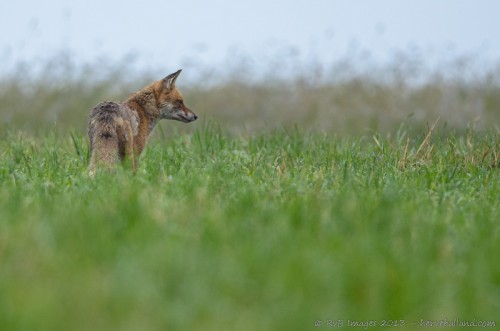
(107, 117)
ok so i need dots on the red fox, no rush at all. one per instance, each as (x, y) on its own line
(120, 130)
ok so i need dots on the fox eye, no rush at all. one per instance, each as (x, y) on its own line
(180, 102)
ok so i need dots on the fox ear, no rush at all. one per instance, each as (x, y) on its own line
(169, 81)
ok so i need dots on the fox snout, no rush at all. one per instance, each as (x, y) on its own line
(188, 116)
(178, 112)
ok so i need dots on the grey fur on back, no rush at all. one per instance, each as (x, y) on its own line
(111, 129)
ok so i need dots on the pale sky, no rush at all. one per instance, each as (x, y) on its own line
(173, 34)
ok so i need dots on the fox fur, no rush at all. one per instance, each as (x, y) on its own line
(120, 130)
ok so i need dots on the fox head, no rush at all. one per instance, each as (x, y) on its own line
(170, 102)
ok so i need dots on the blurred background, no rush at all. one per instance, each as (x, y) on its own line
(345, 67)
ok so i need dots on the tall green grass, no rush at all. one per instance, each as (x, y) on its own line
(292, 201)
(269, 231)
(339, 98)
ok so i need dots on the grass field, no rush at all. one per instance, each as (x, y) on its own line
(332, 198)
(270, 231)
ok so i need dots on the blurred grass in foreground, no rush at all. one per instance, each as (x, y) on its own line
(340, 98)
(266, 232)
